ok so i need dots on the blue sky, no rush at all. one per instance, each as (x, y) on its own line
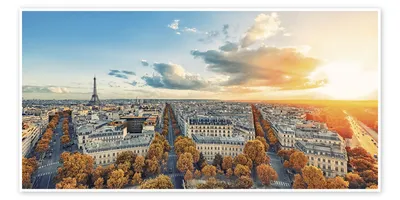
(227, 55)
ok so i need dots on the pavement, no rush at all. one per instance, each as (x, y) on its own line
(44, 176)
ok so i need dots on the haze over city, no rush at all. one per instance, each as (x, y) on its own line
(203, 55)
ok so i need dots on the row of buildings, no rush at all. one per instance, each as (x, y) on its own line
(325, 149)
(105, 133)
(33, 126)
(216, 127)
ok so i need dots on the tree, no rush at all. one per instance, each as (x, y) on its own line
(243, 159)
(360, 153)
(28, 167)
(242, 170)
(152, 166)
(298, 160)
(360, 164)
(117, 179)
(65, 139)
(217, 162)
(195, 153)
(264, 142)
(298, 182)
(313, 177)
(372, 187)
(137, 178)
(286, 164)
(155, 150)
(126, 168)
(285, 154)
(160, 182)
(197, 173)
(255, 150)
(271, 137)
(209, 171)
(266, 174)
(99, 183)
(244, 182)
(337, 183)
(139, 164)
(369, 176)
(355, 181)
(227, 163)
(67, 183)
(202, 161)
(181, 143)
(188, 175)
(185, 162)
(229, 173)
(76, 165)
(125, 156)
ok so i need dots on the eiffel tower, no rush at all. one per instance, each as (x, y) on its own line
(95, 98)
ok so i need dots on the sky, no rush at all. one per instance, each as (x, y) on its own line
(229, 55)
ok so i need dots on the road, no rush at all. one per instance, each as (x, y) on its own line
(276, 163)
(361, 137)
(44, 176)
(175, 176)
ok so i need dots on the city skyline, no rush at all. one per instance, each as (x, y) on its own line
(201, 55)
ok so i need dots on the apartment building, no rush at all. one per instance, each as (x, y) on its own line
(213, 145)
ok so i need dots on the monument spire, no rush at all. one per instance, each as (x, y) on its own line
(95, 98)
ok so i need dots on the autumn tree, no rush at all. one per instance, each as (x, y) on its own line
(255, 150)
(67, 183)
(137, 178)
(99, 183)
(76, 165)
(244, 182)
(182, 143)
(311, 178)
(372, 187)
(337, 183)
(197, 173)
(298, 182)
(152, 166)
(369, 176)
(227, 163)
(195, 153)
(272, 138)
(188, 175)
(65, 139)
(285, 154)
(266, 174)
(160, 182)
(139, 164)
(242, 170)
(229, 173)
(264, 142)
(117, 179)
(209, 171)
(185, 162)
(29, 165)
(298, 160)
(125, 156)
(355, 181)
(243, 159)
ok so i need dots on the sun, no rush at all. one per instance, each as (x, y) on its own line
(346, 81)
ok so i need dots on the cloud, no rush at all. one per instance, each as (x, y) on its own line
(133, 83)
(44, 89)
(174, 25)
(265, 26)
(241, 90)
(282, 68)
(229, 46)
(128, 72)
(120, 74)
(225, 30)
(173, 76)
(287, 34)
(210, 37)
(144, 63)
(186, 29)
(178, 33)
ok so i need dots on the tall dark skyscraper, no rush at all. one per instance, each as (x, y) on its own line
(95, 98)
